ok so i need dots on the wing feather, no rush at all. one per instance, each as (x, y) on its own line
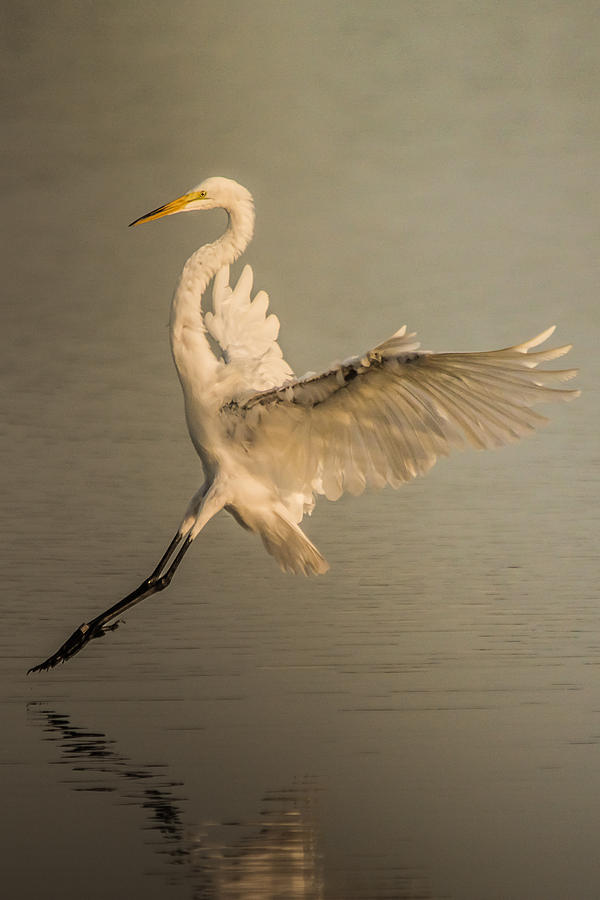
(385, 417)
(247, 337)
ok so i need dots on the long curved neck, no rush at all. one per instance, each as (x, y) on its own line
(186, 310)
(193, 356)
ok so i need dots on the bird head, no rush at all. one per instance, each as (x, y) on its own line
(212, 193)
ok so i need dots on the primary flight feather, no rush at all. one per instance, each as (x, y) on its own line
(269, 442)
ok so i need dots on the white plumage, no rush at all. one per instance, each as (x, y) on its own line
(386, 417)
(270, 442)
(246, 335)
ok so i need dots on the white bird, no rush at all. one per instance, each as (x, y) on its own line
(270, 442)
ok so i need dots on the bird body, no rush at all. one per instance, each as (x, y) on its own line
(252, 362)
(270, 442)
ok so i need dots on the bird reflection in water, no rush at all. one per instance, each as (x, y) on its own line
(274, 857)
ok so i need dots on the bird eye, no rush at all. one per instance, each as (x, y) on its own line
(201, 195)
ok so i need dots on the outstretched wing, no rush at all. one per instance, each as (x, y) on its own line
(247, 336)
(387, 416)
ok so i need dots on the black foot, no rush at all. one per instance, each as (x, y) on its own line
(73, 645)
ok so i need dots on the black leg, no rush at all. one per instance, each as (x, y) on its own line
(99, 626)
(166, 555)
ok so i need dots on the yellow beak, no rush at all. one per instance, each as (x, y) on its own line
(168, 209)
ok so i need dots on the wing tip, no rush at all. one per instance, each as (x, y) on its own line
(571, 395)
(535, 341)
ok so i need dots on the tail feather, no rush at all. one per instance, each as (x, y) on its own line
(291, 548)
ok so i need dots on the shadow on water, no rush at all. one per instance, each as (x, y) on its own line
(275, 857)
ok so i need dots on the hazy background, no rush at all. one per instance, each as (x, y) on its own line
(425, 720)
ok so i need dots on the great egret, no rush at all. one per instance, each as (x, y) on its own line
(269, 441)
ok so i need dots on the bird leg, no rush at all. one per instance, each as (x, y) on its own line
(99, 626)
